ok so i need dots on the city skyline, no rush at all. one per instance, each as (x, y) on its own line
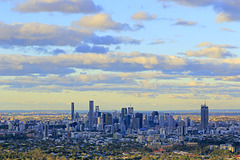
(160, 55)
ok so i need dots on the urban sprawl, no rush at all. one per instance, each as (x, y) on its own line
(123, 134)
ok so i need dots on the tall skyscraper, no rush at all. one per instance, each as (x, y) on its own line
(72, 111)
(97, 109)
(45, 131)
(130, 110)
(123, 112)
(139, 120)
(91, 114)
(169, 120)
(204, 116)
(161, 121)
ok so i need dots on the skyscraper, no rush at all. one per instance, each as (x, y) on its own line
(130, 110)
(97, 109)
(204, 116)
(91, 114)
(72, 111)
(123, 112)
(139, 120)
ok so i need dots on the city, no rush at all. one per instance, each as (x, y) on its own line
(119, 79)
(124, 134)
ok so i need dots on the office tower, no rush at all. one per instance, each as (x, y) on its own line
(170, 121)
(204, 116)
(179, 119)
(130, 110)
(155, 118)
(97, 109)
(108, 119)
(77, 117)
(45, 131)
(187, 121)
(114, 114)
(91, 114)
(128, 121)
(72, 111)
(96, 114)
(123, 112)
(162, 121)
(145, 120)
(155, 113)
(139, 120)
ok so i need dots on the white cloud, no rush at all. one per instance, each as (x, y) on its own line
(208, 44)
(102, 22)
(63, 64)
(224, 17)
(143, 16)
(158, 42)
(227, 29)
(38, 34)
(65, 6)
(185, 23)
(212, 52)
(227, 10)
(41, 34)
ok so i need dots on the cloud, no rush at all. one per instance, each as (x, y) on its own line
(129, 84)
(58, 51)
(64, 6)
(181, 22)
(188, 96)
(143, 16)
(226, 29)
(38, 34)
(46, 50)
(27, 34)
(102, 22)
(109, 40)
(157, 42)
(227, 10)
(211, 52)
(84, 48)
(63, 64)
(208, 44)
(191, 3)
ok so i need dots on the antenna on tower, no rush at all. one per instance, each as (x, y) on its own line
(205, 101)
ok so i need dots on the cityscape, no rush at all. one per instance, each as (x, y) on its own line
(120, 79)
(123, 134)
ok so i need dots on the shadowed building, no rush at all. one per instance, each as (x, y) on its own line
(91, 114)
(204, 116)
(72, 111)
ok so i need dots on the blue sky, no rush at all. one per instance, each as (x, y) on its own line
(156, 54)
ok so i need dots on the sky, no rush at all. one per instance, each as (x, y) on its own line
(152, 54)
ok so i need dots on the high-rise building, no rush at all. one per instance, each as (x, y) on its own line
(161, 121)
(204, 116)
(96, 114)
(130, 110)
(72, 111)
(139, 120)
(107, 119)
(187, 121)
(169, 120)
(97, 109)
(91, 114)
(45, 131)
(123, 112)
